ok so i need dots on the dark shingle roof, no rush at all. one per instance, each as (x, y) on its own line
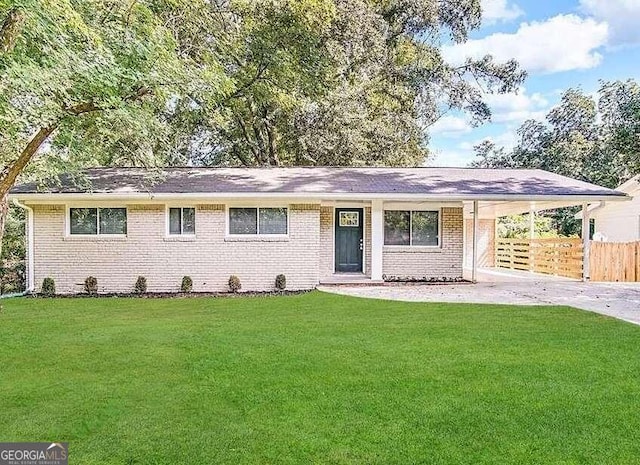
(320, 180)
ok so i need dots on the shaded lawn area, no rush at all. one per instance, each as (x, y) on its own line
(318, 378)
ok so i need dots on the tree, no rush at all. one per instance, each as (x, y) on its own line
(250, 82)
(619, 107)
(71, 69)
(598, 142)
(342, 82)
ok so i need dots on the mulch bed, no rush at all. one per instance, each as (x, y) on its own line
(172, 295)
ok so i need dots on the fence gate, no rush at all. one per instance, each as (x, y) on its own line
(615, 261)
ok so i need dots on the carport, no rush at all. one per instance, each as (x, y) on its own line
(489, 258)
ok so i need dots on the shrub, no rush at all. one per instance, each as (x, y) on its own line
(141, 285)
(281, 282)
(234, 283)
(187, 284)
(48, 287)
(91, 285)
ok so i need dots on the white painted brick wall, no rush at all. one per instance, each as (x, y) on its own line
(420, 262)
(305, 257)
(209, 259)
(486, 243)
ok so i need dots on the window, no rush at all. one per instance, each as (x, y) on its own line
(413, 228)
(182, 221)
(350, 219)
(246, 221)
(94, 221)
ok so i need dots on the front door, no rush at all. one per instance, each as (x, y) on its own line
(349, 240)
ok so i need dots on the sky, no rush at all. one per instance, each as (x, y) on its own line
(560, 43)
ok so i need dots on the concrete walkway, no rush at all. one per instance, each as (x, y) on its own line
(619, 300)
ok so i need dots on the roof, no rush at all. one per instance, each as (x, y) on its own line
(630, 186)
(320, 181)
(627, 187)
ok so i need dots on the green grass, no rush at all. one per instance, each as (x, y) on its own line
(318, 378)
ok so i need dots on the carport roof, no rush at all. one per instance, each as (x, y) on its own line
(455, 183)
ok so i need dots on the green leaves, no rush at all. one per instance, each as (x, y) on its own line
(254, 82)
(597, 141)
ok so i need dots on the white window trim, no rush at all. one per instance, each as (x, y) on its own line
(416, 247)
(257, 235)
(168, 233)
(67, 221)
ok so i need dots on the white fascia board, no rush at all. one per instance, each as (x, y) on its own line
(307, 197)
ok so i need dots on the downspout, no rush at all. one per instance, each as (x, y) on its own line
(30, 248)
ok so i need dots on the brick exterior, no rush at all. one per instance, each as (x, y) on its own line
(209, 259)
(486, 243)
(305, 257)
(326, 242)
(422, 262)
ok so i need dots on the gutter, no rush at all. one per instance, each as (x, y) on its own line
(315, 196)
(578, 216)
(30, 248)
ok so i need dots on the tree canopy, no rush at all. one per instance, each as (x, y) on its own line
(593, 138)
(240, 82)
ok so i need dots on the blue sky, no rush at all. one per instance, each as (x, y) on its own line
(561, 43)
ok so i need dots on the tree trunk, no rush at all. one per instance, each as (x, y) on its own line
(10, 29)
(11, 172)
(4, 213)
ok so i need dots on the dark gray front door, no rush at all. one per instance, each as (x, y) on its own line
(349, 240)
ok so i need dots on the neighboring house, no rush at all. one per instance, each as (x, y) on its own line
(311, 224)
(618, 222)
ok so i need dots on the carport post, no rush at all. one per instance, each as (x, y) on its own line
(474, 263)
(532, 223)
(586, 243)
(532, 236)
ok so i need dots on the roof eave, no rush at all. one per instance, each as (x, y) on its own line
(141, 196)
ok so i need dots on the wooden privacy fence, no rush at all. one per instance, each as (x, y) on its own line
(615, 261)
(556, 256)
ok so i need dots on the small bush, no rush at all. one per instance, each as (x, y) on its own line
(187, 284)
(234, 283)
(48, 287)
(281, 282)
(141, 285)
(91, 285)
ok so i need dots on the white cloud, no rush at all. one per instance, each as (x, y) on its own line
(518, 107)
(508, 109)
(447, 158)
(451, 126)
(622, 16)
(463, 154)
(561, 43)
(494, 11)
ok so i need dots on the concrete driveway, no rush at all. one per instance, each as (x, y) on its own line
(619, 300)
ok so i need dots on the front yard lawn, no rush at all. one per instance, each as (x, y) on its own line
(318, 378)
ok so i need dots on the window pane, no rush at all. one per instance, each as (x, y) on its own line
(175, 221)
(243, 221)
(349, 219)
(396, 227)
(113, 221)
(188, 220)
(424, 228)
(83, 220)
(273, 221)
